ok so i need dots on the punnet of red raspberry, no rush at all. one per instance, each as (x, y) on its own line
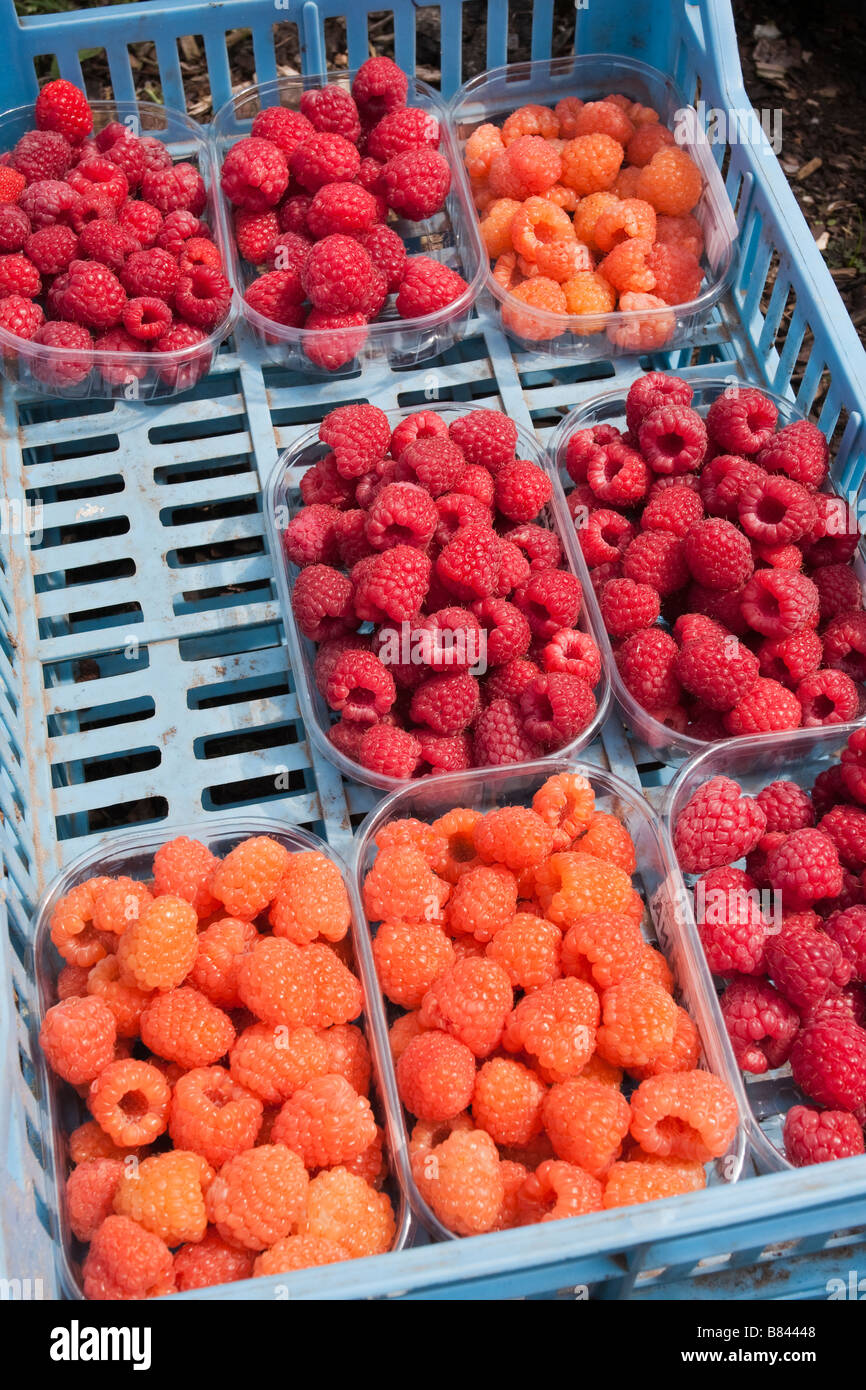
(817, 1136)
(719, 671)
(805, 964)
(761, 1024)
(63, 107)
(805, 868)
(828, 1063)
(255, 174)
(717, 826)
(800, 451)
(741, 421)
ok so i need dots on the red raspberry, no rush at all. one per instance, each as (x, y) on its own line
(436, 1076)
(42, 155)
(18, 275)
(652, 390)
(77, 1037)
(717, 826)
(67, 370)
(180, 188)
(390, 585)
(845, 645)
(255, 174)
(717, 554)
(12, 184)
(444, 753)
(415, 183)
(20, 316)
(839, 590)
(572, 651)
(408, 128)
(787, 807)
(14, 228)
(437, 464)
(779, 602)
(500, 737)
(107, 242)
(203, 297)
(550, 600)
(97, 179)
(741, 421)
(767, 707)
(258, 1197)
(324, 158)
(696, 627)
(817, 1136)
(333, 340)
(732, 932)
(378, 88)
(678, 273)
(673, 439)
(446, 703)
(846, 826)
(675, 510)
(540, 546)
(199, 251)
(177, 229)
(129, 155)
(322, 483)
(829, 788)
(255, 234)
(791, 659)
(63, 107)
(626, 607)
(336, 274)
(360, 687)
(93, 296)
(455, 639)
(507, 631)
(522, 489)
(153, 273)
(604, 537)
(210, 1261)
(146, 319)
(142, 222)
(834, 538)
(647, 663)
(468, 566)
(326, 1122)
(341, 208)
(555, 708)
(125, 1261)
(774, 511)
(761, 1024)
(391, 751)
(658, 559)
(277, 296)
(427, 286)
(800, 451)
(828, 697)
(617, 474)
(322, 602)
(333, 109)
(848, 930)
(723, 481)
(805, 963)
(486, 437)
(387, 251)
(828, 1062)
(280, 126)
(310, 537)
(719, 671)
(129, 1101)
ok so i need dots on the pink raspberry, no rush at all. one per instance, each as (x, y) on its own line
(767, 707)
(325, 157)
(805, 963)
(817, 1136)
(555, 707)
(791, 659)
(845, 644)
(388, 750)
(647, 665)
(778, 603)
(798, 450)
(717, 554)
(761, 1024)
(380, 86)
(673, 439)
(390, 585)
(786, 806)
(322, 602)
(828, 697)
(332, 109)
(717, 826)
(500, 736)
(828, 1062)
(741, 421)
(416, 183)
(626, 607)
(719, 671)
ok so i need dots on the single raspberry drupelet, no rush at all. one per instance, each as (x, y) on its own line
(817, 1136)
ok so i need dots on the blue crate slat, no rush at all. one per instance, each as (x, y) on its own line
(163, 693)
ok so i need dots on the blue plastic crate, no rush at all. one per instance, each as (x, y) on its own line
(142, 672)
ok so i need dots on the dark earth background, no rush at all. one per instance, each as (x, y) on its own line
(807, 59)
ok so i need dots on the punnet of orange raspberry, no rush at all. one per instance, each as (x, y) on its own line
(325, 200)
(777, 875)
(723, 565)
(586, 208)
(545, 1065)
(210, 1021)
(449, 626)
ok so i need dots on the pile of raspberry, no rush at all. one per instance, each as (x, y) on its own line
(780, 906)
(207, 1019)
(445, 616)
(103, 248)
(724, 573)
(312, 192)
(538, 1045)
(585, 209)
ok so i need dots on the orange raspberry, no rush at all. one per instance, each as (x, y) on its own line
(638, 114)
(409, 956)
(435, 1076)
(165, 1195)
(246, 881)
(625, 183)
(685, 232)
(184, 1027)
(221, 947)
(572, 883)
(560, 260)
(605, 118)
(671, 181)
(157, 951)
(630, 218)
(601, 946)
(556, 1025)
(567, 111)
(682, 1054)
(484, 142)
(72, 980)
(639, 1019)
(645, 328)
(513, 1175)
(529, 166)
(646, 141)
(466, 946)
(89, 1141)
(212, 1115)
(597, 1069)
(78, 1037)
(272, 1062)
(506, 272)
(651, 965)
(530, 120)
(371, 1163)
(182, 868)
(120, 902)
(258, 1197)
(402, 884)
(311, 900)
(590, 163)
(540, 293)
(471, 1001)
(588, 294)
(402, 1031)
(507, 1101)
(482, 902)
(626, 266)
(481, 195)
(210, 1261)
(586, 216)
(349, 1055)
(326, 1122)
(343, 1208)
(276, 983)
(419, 835)
(586, 1122)
(514, 836)
(528, 949)
(639, 1180)
(72, 928)
(461, 1180)
(299, 1252)
(565, 802)
(130, 1101)
(458, 828)
(678, 273)
(426, 1134)
(338, 994)
(125, 1261)
(90, 1190)
(608, 839)
(563, 197)
(538, 223)
(557, 1190)
(496, 225)
(126, 1001)
(691, 1115)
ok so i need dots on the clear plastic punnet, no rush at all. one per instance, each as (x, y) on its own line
(658, 881)
(132, 855)
(450, 236)
(608, 408)
(591, 76)
(753, 763)
(283, 500)
(98, 374)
